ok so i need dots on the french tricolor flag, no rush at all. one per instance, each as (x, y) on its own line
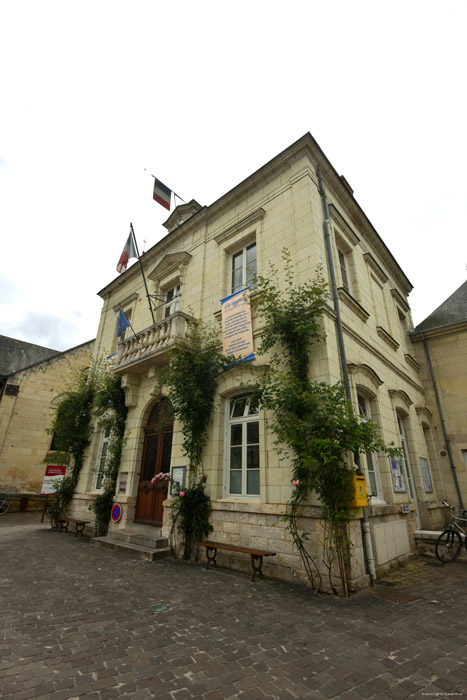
(162, 194)
(129, 251)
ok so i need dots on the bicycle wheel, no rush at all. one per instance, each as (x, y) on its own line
(448, 546)
(4, 506)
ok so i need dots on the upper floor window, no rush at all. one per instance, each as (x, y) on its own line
(243, 268)
(172, 301)
(243, 447)
(343, 267)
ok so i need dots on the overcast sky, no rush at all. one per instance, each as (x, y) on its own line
(201, 94)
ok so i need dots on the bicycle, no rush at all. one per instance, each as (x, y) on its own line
(449, 543)
(4, 505)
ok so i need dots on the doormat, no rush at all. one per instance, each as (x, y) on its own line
(397, 596)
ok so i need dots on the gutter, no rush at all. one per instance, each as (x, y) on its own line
(367, 544)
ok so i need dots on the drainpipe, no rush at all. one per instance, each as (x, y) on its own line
(367, 545)
(443, 422)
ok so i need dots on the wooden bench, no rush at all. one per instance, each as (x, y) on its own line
(256, 554)
(79, 525)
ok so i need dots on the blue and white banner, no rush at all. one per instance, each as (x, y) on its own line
(237, 332)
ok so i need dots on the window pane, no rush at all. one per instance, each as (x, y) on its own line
(252, 433)
(252, 482)
(166, 452)
(149, 467)
(236, 434)
(362, 406)
(237, 409)
(250, 264)
(236, 482)
(237, 280)
(236, 457)
(237, 261)
(252, 456)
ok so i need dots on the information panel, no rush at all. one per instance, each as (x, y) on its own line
(237, 334)
(53, 473)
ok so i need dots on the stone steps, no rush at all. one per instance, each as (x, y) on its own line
(144, 543)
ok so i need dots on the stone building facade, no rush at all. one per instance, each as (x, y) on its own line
(440, 343)
(26, 410)
(208, 253)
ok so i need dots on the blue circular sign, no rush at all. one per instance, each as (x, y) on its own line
(116, 513)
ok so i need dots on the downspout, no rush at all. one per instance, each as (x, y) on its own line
(443, 422)
(367, 545)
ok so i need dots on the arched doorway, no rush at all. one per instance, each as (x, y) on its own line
(157, 451)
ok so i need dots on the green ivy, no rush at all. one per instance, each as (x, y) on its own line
(315, 427)
(95, 393)
(191, 508)
(191, 378)
(72, 430)
(110, 408)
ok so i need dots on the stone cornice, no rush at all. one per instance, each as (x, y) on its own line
(343, 225)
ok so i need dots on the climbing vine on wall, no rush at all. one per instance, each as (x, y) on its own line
(110, 409)
(191, 379)
(94, 393)
(314, 425)
(72, 430)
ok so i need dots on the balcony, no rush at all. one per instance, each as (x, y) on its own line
(150, 347)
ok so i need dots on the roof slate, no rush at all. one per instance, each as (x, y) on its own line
(449, 313)
(17, 354)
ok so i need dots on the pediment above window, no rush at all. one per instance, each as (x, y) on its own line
(169, 263)
(367, 372)
(399, 396)
(181, 214)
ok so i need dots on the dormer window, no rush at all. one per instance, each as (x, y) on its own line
(172, 301)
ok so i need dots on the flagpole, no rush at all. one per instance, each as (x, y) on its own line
(174, 193)
(142, 272)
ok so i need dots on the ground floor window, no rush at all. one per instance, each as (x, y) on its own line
(242, 447)
(369, 459)
(101, 461)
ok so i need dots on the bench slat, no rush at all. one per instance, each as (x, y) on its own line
(235, 548)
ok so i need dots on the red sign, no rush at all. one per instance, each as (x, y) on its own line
(53, 473)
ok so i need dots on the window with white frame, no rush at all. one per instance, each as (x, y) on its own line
(242, 447)
(370, 459)
(99, 471)
(172, 301)
(243, 268)
(405, 457)
(344, 271)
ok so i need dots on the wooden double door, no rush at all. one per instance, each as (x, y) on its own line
(157, 451)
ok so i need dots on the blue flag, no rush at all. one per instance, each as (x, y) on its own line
(122, 323)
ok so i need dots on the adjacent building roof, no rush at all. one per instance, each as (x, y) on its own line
(15, 355)
(449, 313)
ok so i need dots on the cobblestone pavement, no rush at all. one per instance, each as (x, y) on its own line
(77, 622)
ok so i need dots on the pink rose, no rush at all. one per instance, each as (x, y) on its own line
(181, 494)
(296, 483)
(153, 480)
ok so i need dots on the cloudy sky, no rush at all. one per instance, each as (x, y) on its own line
(202, 94)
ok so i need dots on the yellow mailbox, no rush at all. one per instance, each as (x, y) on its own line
(360, 499)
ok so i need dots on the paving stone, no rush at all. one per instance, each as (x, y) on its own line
(73, 630)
